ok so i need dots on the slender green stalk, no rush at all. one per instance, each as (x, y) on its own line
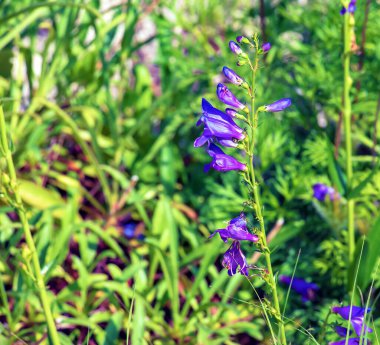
(253, 121)
(45, 302)
(347, 82)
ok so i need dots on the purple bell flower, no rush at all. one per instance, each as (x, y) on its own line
(232, 76)
(218, 125)
(266, 47)
(207, 137)
(320, 191)
(235, 48)
(227, 97)
(233, 259)
(221, 161)
(236, 230)
(357, 317)
(302, 287)
(279, 105)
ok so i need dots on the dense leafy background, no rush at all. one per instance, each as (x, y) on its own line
(101, 99)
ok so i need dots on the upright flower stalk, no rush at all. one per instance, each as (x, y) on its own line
(221, 128)
(347, 83)
(12, 183)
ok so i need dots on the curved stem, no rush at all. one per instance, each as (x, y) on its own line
(45, 302)
(253, 121)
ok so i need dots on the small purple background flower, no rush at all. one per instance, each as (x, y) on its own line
(266, 47)
(305, 289)
(320, 191)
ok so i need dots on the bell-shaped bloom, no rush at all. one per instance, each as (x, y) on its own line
(234, 260)
(357, 317)
(266, 47)
(227, 97)
(236, 230)
(320, 191)
(301, 286)
(218, 125)
(235, 48)
(279, 105)
(207, 137)
(221, 161)
(232, 76)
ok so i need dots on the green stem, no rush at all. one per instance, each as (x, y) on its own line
(253, 121)
(347, 131)
(45, 302)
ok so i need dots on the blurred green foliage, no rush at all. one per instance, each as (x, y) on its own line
(101, 99)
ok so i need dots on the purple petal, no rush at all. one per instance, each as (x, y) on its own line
(227, 97)
(235, 48)
(232, 76)
(279, 105)
(266, 47)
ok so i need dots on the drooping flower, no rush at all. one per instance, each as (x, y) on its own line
(266, 47)
(357, 317)
(320, 191)
(350, 9)
(279, 105)
(235, 48)
(236, 230)
(301, 286)
(221, 161)
(232, 76)
(227, 97)
(234, 258)
(218, 127)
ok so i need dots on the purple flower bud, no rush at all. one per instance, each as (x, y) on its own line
(231, 112)
(279, 105)
(233, 259)
(350, 9)
(320, 191)
(302, 287)
(235, 48)
(239, 38)
(357, 317)
(227, 97)
(221, 161)
(232, 76)
(236, 230)
(242, 39)
(266, 47)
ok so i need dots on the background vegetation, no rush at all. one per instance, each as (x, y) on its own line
(100, 101)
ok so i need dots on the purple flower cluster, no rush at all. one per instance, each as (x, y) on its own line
(305, 289)
(219, 126)
(357, 322)
(237, 230)
(350, 8)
